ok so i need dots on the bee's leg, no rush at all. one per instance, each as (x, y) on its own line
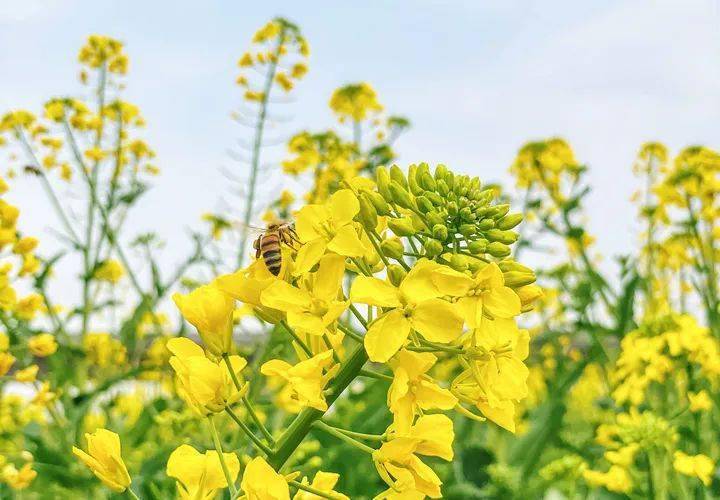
(256, 246)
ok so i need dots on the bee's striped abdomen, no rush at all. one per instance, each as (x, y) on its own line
(270, 249)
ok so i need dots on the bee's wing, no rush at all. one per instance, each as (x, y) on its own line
(251, 228)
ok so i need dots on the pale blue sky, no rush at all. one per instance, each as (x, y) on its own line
(476, 78)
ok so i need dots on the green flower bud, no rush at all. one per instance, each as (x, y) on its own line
(467, 215)
(367, 214)
(467, 230)
(458, 262)
(440, 232)
(413, 181)
(424, 204)
(435, 218)
(433, 247)
(501, 211)
(515, 279)
(497, 249)
(402, 227)
(427, 181)
(396, 274)
(478, 246)
(486, 224)
(440, 172)
(475, 265)
(397, 175)
(507, 237)
(393, 248)
(436, 199)
(442, 188)
(422, 169)
(452, 208)
(449, 179)
(509, 221)
(381, 206)
(419, 223)
(382, 178)
(400, 195)
(475, 184)
(486, 195)
(510, 265)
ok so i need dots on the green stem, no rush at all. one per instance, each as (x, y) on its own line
(312, 490)
(300, 427)
(375, 375)
(218, 448)
(297, 339)
(132, 494)
(319, 424)
(359, 435)
(246, 402)
(255, 440)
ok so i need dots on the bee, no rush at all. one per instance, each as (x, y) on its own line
(268, 243)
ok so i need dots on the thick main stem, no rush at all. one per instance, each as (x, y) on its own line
(300, 427)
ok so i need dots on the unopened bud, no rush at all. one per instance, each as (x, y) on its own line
(478, 246)
(427, 181)
(435, 218)
(396, 274)
(486, 224)
(507, 237)
(501, 210)
(436, 199)
(381, 206)
(529, 294)
(440, 232)
(367, 214)
(458, 262)
(402, 227)
(442, 188)
(466, 214)
(433, 247)
(382, 179)
(467, 230)
(510, 265)
(497, 249)
(440, 172)
(452, 208)
(393, 248)
(514, 279)
(400, 195)
(413, 184)
(397, 175)
(424, 204)
(509, 221)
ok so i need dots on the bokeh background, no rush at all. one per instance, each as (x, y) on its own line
(477, 80)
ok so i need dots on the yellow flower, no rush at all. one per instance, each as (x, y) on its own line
(355, 101)
(205, 385)
(103, 458)
(28, 374)
(328, 227)
(434, 433)
(103, 350)
(616, 479)
(313, 308)
(42, 345)
(402, 470)
(44, 395)
(485, 292)
(305, 380)
(18, 479)
(6, 362)
(414, 305)
(497, 375)
(28, 306)
(412, 391)
(323, 481)
(111, 271)
(699, 401)
(700, 466)
(210, 311)
(25, 245)
(199, 475)
(261, 482)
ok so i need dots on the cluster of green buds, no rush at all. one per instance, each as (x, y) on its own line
(448, 218)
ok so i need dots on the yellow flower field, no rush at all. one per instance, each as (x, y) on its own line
(379, 334)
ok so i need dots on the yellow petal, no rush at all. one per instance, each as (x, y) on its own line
(329, 276)
(502, 302)
(373, 291)
(309, 255)
(437, 320)
(386, 336)
(347, 242)
(285, 297)
(344, 206)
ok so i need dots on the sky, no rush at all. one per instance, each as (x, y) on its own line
(477, 79)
